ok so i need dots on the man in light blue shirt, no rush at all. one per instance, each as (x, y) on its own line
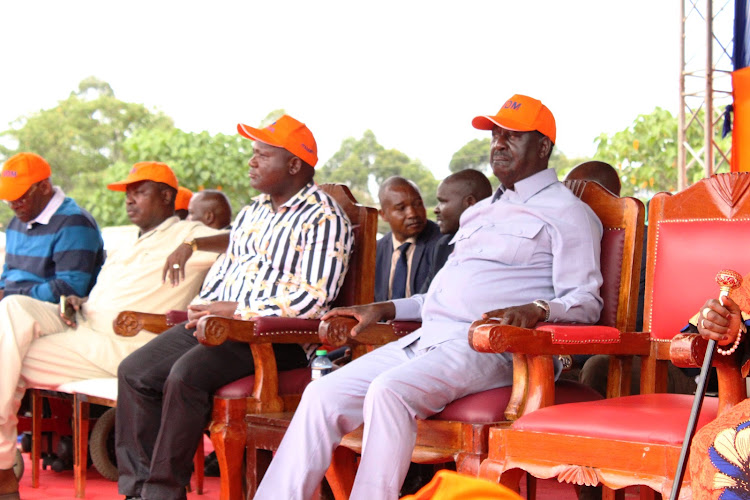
(528, 254)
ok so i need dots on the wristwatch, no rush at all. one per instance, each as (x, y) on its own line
(192, 244)
(544, 305)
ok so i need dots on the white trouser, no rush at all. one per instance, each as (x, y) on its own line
(386, 389)
(30, 356)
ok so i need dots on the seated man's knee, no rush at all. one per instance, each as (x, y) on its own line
(131, 366)
(385, 388)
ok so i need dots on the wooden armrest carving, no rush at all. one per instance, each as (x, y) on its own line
(129, 323)
(491, 336)
(337, 332)
(687, 350)
(215, 330)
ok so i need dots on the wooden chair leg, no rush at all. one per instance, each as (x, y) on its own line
(341, 473)
(80, 445)
(610, 494)
(36, 436)
(530, 487)
(511, 479)
(228, 435)
(198, 467)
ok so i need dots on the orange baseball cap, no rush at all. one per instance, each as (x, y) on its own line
(287, 133)
(147, 171)
(20, 172)
(182, 200)
(522, 114)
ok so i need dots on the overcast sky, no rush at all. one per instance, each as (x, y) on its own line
(414, 72)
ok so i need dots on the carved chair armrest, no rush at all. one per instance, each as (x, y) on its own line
(336, 332)
(689, 350)
(215, 330)
(556, 338)
(129, 323)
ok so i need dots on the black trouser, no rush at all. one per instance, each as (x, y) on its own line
(164, 400)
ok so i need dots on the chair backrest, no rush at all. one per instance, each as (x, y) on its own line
(622, 243)
(691, 236)
(359, 283)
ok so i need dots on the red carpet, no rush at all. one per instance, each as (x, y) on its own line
(59, 486)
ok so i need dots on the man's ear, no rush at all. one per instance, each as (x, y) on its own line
(167, 196)
(545, 146)
(469, 200)
(295, 165)
(210, 218)
(45, 187)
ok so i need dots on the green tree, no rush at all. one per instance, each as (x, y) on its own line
(474, 154)
(83, 133)
(364, 164)
(82, 136)
(199, 160)
(645, 153)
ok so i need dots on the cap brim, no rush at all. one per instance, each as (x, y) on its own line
(488, 122)
(256, 134)
(118, 186)
(12, 191)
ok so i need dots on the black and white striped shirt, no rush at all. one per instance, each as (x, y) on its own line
(288, 263)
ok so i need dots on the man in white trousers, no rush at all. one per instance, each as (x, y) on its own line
(530, 253)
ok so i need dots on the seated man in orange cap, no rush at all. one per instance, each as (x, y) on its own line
(512, 258)
(181, 203)
(287, 255)
(53, 246)
(41, 348)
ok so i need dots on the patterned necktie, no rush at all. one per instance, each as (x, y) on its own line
(398, 289)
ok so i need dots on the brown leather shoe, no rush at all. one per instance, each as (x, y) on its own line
(8, 485)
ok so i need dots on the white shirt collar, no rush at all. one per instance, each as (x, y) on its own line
(46, 214)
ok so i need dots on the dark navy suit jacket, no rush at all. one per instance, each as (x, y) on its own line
(420, 263)
(440, 254)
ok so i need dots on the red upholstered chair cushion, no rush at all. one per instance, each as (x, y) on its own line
(489, 406)
(175, 317)
(613, 241)
(645, 418)
(682, 282)
(290, 382)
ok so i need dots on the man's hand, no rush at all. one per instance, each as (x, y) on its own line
(365, 315)
(720, 322)
(174, 268)
(69, 306)
(196, 312)
(525, 316)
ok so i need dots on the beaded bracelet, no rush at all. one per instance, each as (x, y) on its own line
(734, 346)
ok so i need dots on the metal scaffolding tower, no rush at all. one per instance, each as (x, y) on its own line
(705, 83)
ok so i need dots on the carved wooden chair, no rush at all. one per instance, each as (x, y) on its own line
(633, 440)
(459, 433)
(268, 390)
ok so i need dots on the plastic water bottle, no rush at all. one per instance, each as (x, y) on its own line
(321, 365)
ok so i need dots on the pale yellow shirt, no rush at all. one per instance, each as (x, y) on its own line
(131, 278)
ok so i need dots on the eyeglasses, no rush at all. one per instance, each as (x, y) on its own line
(24, 199)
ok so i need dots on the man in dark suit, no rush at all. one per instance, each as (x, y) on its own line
(456, 193)
(402, 262)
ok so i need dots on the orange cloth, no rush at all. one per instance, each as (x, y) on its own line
(449, 485)
(714, 449)
(740, 161)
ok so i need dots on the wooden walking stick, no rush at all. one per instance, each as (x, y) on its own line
(728, 281)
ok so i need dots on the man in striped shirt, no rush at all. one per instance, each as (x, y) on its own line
(286, 255)
(53, 246)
